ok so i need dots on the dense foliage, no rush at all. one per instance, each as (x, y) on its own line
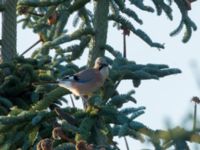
(36, 115)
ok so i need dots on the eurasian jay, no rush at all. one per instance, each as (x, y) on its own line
(87, 81)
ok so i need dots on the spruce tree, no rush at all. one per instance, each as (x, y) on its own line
(38, 115)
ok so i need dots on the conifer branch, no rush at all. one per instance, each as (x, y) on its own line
(40, 3)
(138, 32)
(49, 99)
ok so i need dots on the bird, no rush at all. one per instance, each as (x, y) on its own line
(85, 82)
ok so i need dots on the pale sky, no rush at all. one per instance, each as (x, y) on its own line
(169, 98)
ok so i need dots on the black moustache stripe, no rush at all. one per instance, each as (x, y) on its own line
(102, 66)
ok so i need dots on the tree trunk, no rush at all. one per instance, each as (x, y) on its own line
(101, 28)
(8, 42)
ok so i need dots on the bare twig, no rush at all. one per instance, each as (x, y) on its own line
(124, 44)
(126, 142)
(31, 47)
(196, 101)
(72, 100)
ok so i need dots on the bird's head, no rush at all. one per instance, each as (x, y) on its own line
(102, 65)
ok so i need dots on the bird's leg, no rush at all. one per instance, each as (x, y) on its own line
(85, 101)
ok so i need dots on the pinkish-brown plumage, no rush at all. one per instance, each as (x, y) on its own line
(87, 81)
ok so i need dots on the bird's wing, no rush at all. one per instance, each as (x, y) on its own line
(85, 75)
(82, 76)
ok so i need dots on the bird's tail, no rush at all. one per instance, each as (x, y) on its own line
(45, 82)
